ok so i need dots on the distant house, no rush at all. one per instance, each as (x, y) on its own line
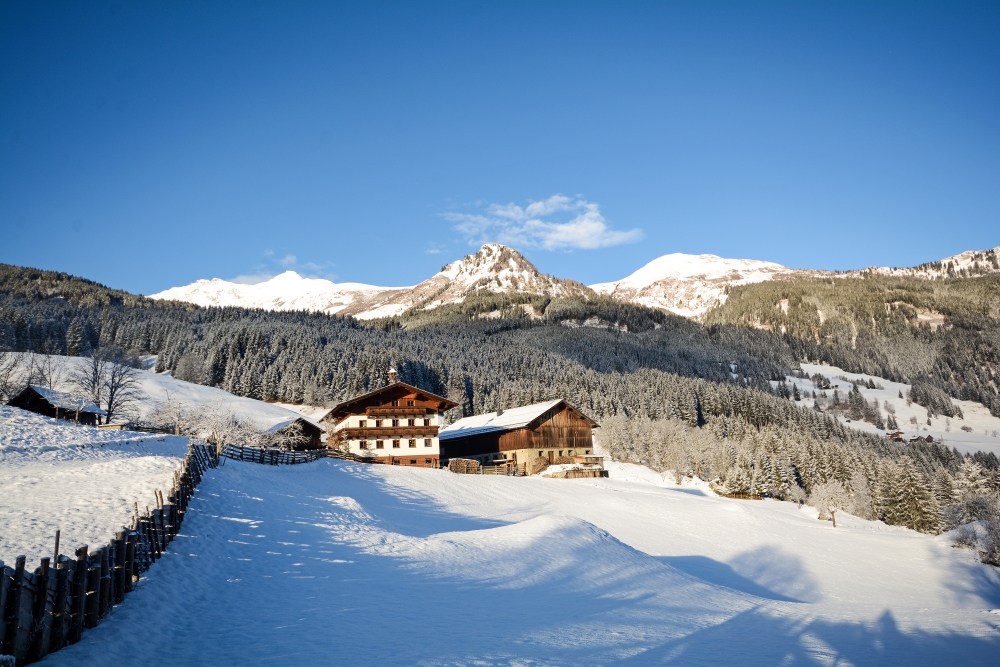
(550, 430)
(57, 404)
(303, 433)
(397, 424)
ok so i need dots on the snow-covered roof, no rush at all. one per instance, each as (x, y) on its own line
(64, 401)
(508, 420)
(282, 424)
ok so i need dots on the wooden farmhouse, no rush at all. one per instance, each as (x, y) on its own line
(553, 430)
(57, 404)
(397, 424)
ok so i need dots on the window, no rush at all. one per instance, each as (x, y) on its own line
(560, 452)
(586, 451)
(395, 444)
(427, 422)
(395, 403)
(364, 444)
(378, 423)
(569, 453)
(411, 422)
(539, 453)
(363, 424)
(427, 442)
(413, 462)
(380, 444)
(410, 403)
(395, 422)
(427, 461)
(413, 443)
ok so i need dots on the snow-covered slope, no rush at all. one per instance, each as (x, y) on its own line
(155, 388)
(336, 562)
(494, 268)
(689, 285)
(81, 480)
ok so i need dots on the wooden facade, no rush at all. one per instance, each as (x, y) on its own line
(560, 431)
(310, 437)
(397, 424)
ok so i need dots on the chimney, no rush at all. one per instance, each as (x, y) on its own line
(392, 375)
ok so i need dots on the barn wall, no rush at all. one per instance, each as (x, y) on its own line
(561, 428)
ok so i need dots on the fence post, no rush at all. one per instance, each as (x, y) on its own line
(40, 628)
(63, 603)
(12, 610)
(104, 601)
(92, 607)
(79, 589)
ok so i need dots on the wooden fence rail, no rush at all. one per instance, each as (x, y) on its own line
(44, 610)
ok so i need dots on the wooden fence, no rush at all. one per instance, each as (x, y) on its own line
(271, 456)
(45, 610)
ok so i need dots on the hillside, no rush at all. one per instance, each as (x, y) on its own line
(944, 331)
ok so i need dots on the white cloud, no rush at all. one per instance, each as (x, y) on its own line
(288, 260)
(252, 279)
(556, 223)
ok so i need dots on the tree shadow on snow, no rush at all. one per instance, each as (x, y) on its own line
(757, 637)
(720, 574)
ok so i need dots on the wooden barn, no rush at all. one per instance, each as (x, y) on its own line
(553, 430)
(51, 403)
(397, 424)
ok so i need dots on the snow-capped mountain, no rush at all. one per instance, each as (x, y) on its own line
(288, 291)
(690, 285)
(495, 268)
(968, 263)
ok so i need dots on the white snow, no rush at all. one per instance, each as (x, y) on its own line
(690, 285)
(288, 291)
(342, 563)
(977, 416)
(78, 479)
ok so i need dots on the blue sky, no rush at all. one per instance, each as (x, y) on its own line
(146, 145)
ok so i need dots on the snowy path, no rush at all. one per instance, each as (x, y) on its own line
(339, 563)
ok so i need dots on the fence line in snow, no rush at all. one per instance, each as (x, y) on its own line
(48, 609)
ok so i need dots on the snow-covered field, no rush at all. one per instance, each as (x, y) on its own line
(77, 479)
(342, 563)
(943, 429)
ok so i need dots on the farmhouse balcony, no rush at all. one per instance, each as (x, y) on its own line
(388, 432)
(395, 411)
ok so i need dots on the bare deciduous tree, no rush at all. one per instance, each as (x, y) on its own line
(88, 378)
(10, 374)
(121, 382)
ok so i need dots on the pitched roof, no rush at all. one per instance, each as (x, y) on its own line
(64, 401)
(508, 420)
(447, 403)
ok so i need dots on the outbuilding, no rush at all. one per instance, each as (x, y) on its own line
(552, 430)
(57, 404)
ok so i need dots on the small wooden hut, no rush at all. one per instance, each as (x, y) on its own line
(57, 404)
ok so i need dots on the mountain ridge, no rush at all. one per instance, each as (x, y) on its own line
(686, 285)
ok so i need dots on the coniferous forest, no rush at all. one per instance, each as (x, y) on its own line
(670, 392)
